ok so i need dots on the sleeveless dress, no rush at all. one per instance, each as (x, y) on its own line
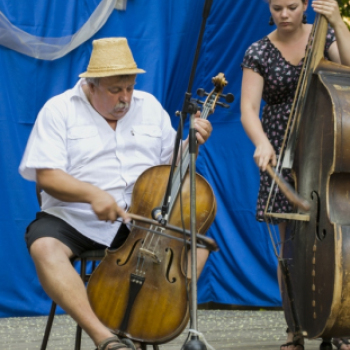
(280, 83)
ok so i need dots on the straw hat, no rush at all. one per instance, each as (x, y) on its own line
(111, 56)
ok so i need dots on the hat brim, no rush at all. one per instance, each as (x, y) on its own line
(110, 73)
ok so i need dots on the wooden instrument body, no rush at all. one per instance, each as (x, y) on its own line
(160, 310)
(317, 251)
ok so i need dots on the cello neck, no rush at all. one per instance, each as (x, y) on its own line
(184, 162)
(208, 108)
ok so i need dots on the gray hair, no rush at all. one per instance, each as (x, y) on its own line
(93, 81)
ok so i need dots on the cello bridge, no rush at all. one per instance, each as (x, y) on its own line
(151, 254)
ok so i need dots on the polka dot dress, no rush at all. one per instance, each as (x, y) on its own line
(280, 83)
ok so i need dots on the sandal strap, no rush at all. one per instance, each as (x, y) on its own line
(340, 343)
(286, 345)
(130, 344)
(345, 341)
(292, 343)
(103, 345)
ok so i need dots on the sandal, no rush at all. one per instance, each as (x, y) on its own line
(131, 344)
(338, 342)
(295, 342)
(292, 343)
(120, 344)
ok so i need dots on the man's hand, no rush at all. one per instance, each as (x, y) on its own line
(66, 188)
(203, 128)
(105, 207)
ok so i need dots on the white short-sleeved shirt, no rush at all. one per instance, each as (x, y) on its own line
(70, 135)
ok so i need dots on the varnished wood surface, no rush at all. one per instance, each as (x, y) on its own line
(223, 330)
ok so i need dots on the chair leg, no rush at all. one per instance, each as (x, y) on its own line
(78, 338)
(155, 347)
(48, 326)
(79, 330)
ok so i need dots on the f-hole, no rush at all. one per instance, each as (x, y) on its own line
(319, 234)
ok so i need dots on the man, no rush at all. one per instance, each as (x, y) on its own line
(87, 148)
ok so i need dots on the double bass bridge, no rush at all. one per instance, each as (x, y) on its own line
(289, 216)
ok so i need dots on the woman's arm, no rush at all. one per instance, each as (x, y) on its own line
(339, 50)
(252, 87)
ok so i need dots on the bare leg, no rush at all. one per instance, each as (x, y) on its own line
(62, 283)
(290, 335)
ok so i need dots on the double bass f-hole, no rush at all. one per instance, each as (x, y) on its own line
(320, 233)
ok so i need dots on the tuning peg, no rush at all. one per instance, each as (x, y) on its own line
(225, 105)
(201, 92)
(200, 102)
(228, 98)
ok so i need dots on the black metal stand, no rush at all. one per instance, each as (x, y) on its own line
(194, 343)
(161, 214)
(189, 107)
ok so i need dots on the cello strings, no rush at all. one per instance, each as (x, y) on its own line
(199, 245)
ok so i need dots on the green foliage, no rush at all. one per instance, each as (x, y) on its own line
(344, 6)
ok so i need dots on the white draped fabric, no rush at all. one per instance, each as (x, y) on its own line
(53, 48)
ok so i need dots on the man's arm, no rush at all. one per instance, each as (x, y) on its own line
(66, 188)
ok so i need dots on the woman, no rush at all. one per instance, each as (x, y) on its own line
(271, 69)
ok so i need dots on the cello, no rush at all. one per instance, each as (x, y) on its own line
(140, 290)
(315, 263)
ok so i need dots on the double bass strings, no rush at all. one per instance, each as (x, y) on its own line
(285, 158)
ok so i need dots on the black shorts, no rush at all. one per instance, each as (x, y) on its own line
(47, 225)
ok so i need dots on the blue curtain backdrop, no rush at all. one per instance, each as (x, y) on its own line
(163, 36)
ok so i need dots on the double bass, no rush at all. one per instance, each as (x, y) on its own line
(140, 290)
(316, 262)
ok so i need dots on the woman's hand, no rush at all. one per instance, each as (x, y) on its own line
(264, 154)
(328, 8)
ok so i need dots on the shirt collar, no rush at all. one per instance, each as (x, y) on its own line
(77, 90)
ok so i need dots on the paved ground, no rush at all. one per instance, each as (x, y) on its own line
(223, 330)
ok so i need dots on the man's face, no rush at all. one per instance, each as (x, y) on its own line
(112, 97)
